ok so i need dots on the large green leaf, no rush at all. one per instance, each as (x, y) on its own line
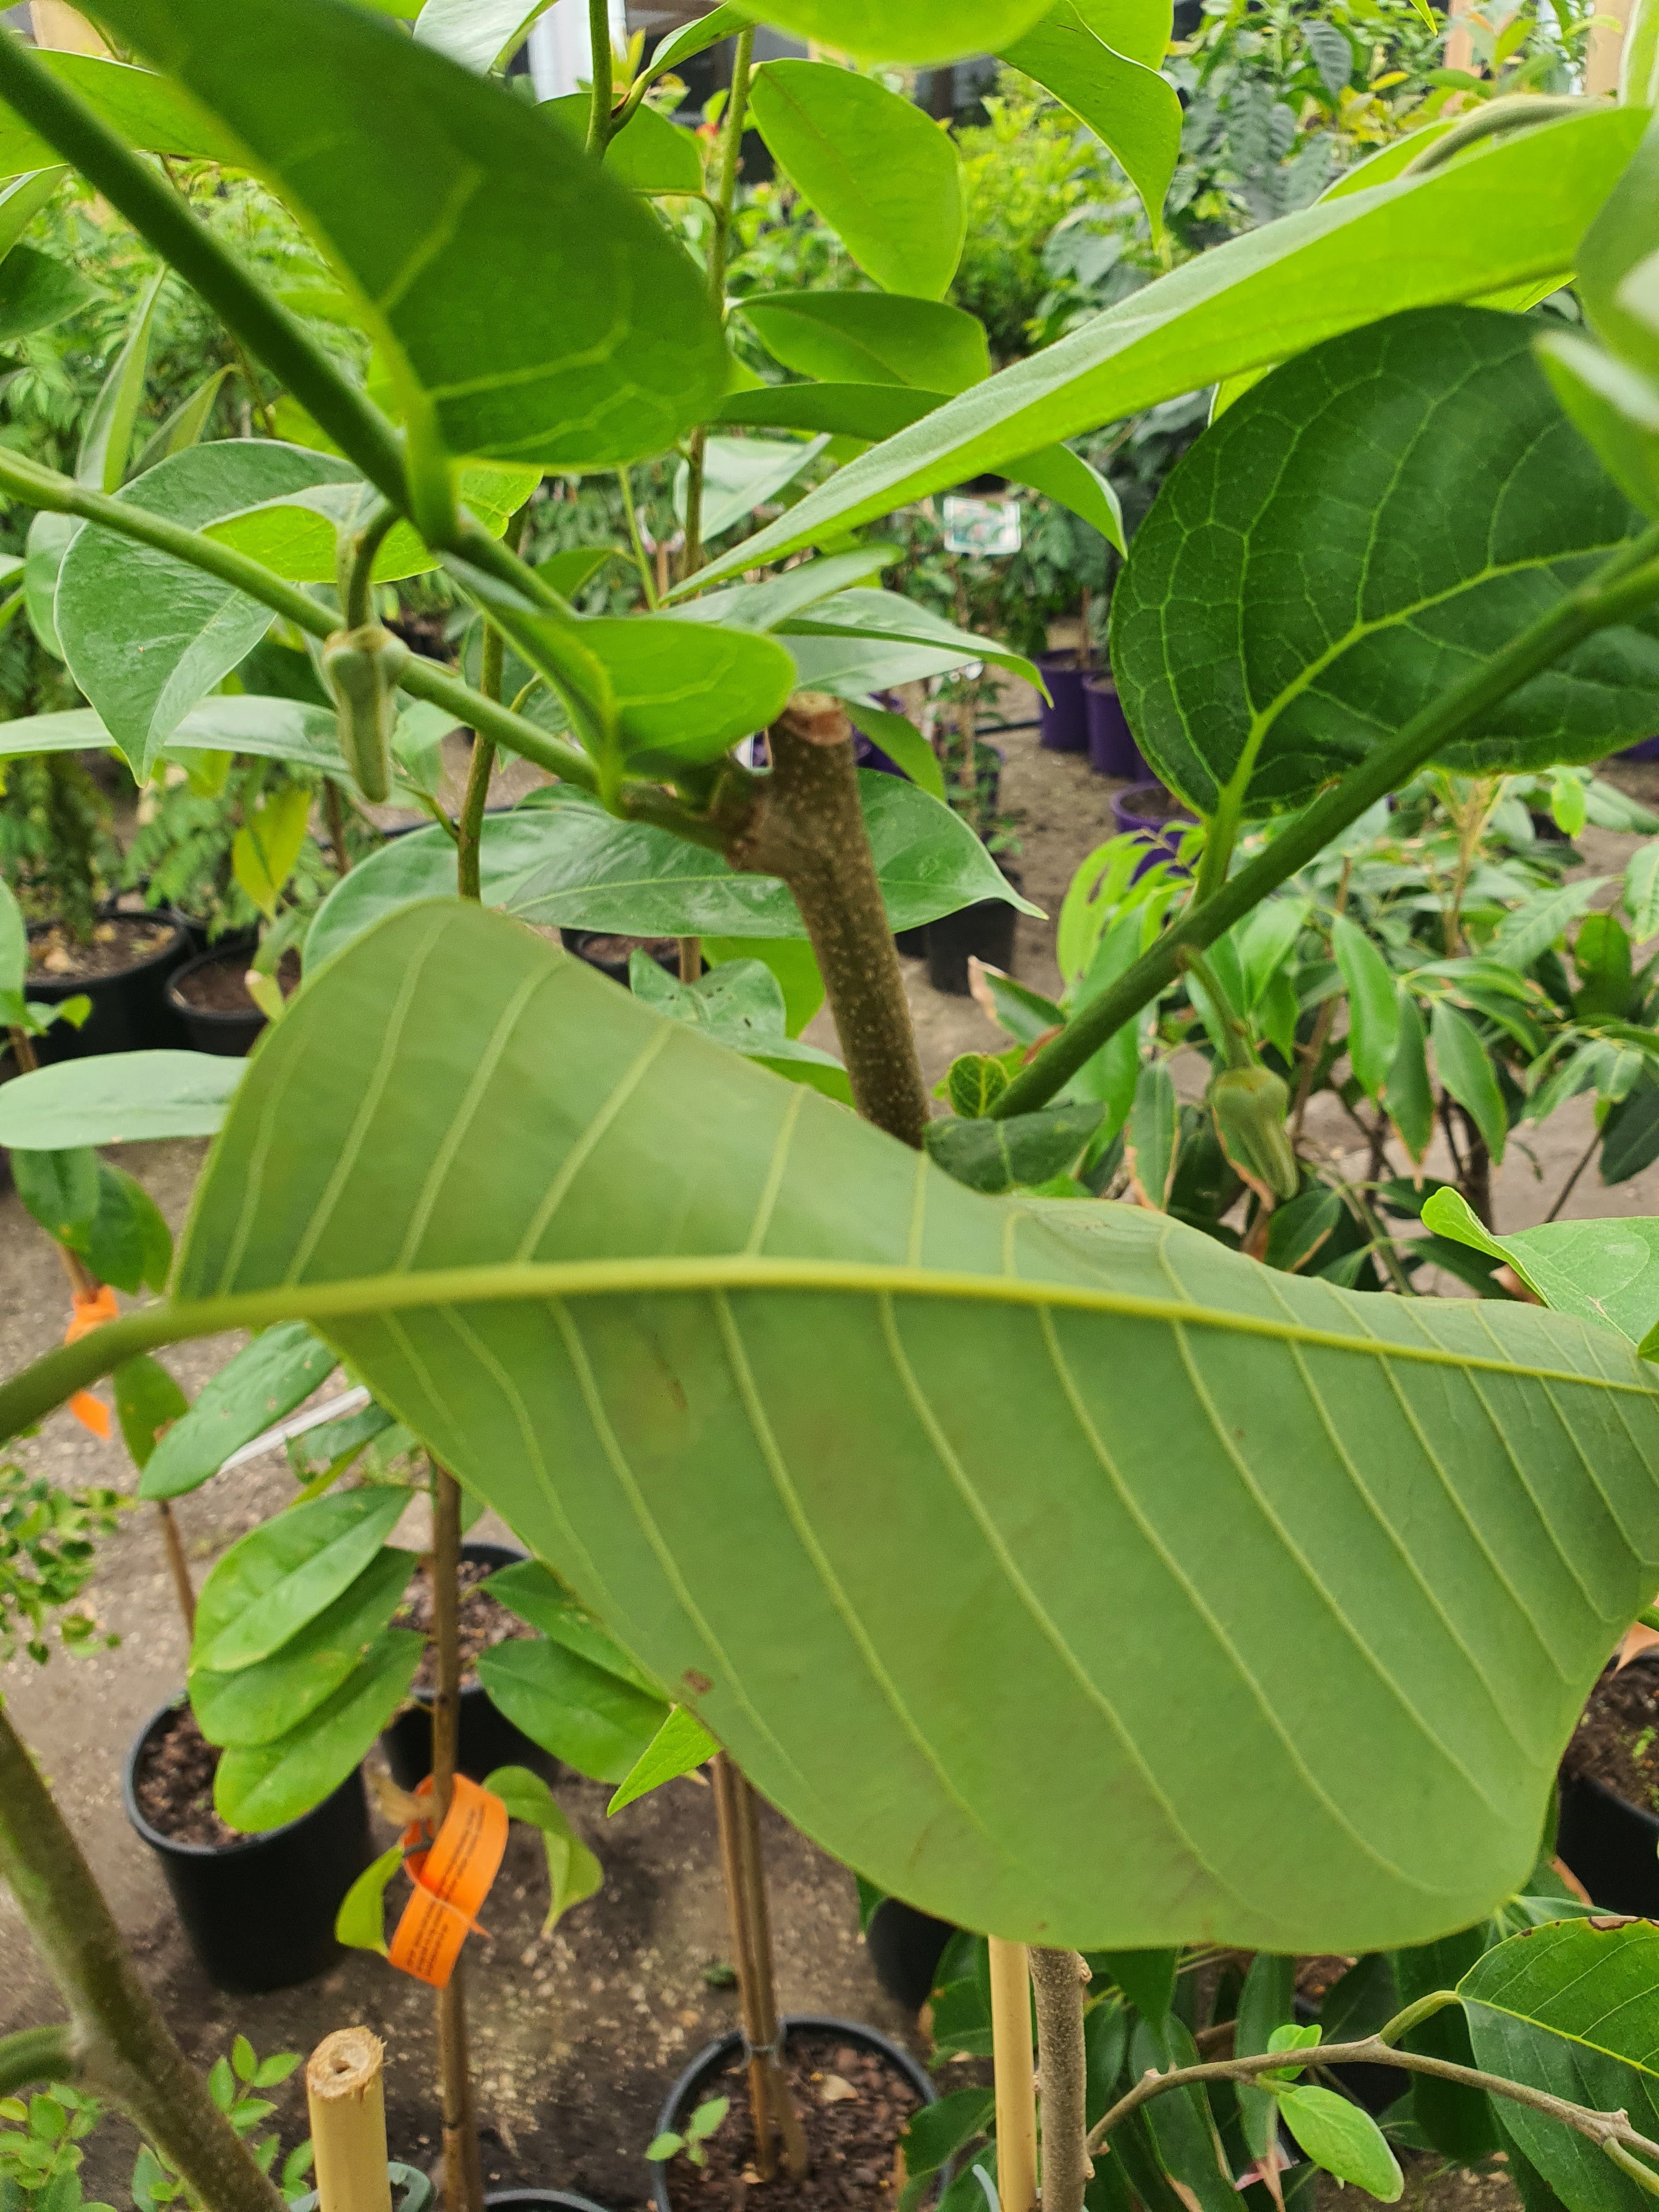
(143, 108)
(297, 534)
(883, 174)
(243, 722)
(146, 637)
(1572, 2008)
(861, 337)
(115, 1098)
(902, 30)
(480, 34)
(281, 1576)
(592, 1719)
(1136, 112)
(534, 308)
(1456, 234)
(571, 862)
(1359, 532)
(653, 1304)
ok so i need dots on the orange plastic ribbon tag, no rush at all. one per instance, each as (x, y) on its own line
(452, 1880)
(89, 1314)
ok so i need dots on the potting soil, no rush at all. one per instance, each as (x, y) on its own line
(1617, 1739)
(174, 1784)
(484, 1620)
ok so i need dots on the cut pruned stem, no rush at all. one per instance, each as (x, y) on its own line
(116, 2045)
(1611, 2132)
(462, 2168)
(1057, 1978)
(808, 828)
(345, 2094)
(1012, 2058)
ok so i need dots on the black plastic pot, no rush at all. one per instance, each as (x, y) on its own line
(984, 931)
(487, 1739)
(584, 944)
(544, 2196)
(206, 1028)
(688, 2092)
(1613, 1847)
(130, 1009)
(905, 1946)
(259, 1914)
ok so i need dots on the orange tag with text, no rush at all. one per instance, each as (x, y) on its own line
(90, 1314)
(451, 1880)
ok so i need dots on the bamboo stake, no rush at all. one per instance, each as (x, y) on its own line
(345, 2091)
(1015, 2064)
(795, 2157)
(729, 1818)
(462, 2167)
(64, 29)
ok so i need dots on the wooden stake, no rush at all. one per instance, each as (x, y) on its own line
(462, 2167)
(795, 2157)
(179, 1566)
(729, 1820)
(1607, 47)
(346, 2092)
(1015, 2062)
(64, 29)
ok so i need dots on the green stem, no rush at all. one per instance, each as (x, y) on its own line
(624, 477)
(164, 222)
(1520, 112)
(117, 2042)
(35, 2054)
(357, 594)
(737, 114)
(1415, 2015)
(469, 831)
(1627, 583)
(598, 120)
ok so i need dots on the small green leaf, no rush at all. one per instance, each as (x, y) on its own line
(221, 2086)
(1015, 1154)
(148, 1401)
(360, 1923)
(37, 291)
(679, 1747)
(1373, 1004)
(651, 154)
(1464, 1071)
(975, 1082)
(664, 2147)
(263, 1786)
(1409, 1094)
(528, 1589)
(863, 337)
(1147, 1979)
(267, 845)
(897, 736)
(574, 1874)
(902, 30)
(283, 1573)
(268, 1379)
(1342, 2137)
(1129, 106)
(242, 2059)
(1155, 1133)
(593, 1721)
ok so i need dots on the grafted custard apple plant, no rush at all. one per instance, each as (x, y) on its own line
(1062, 1571)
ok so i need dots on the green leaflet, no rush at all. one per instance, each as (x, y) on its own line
(36, 292)
(276, 1580)
(265, 1380)
(1129, 106)
(146, 637)
(569, 862)
(527, 1588)
(1358, 533)
(649, 155)
(1570, 2008)
(879, 170)
(679, 1747)
(574, 1874)
(143, 108)
(261, 1786)
(1446, 1580)
(1602, 1271)
(583, 1714)
(1454, 234)
(297, 536)
(529, 307)
(861, 337)
(901, 30)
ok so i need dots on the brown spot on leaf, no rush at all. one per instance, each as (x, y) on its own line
(699, 1685)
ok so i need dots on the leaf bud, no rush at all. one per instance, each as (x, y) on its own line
(1249, 1105)
(361, 668)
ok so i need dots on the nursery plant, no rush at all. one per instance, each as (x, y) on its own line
(836, 1449)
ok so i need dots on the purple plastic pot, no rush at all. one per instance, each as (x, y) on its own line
(1648, 750)
(1131, 811)
(1112, 750)
(1063, 716)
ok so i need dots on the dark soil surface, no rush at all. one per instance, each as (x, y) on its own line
(484, 1620)
(1149, 802)
(614, 951)
(852, 2139)
(119, 942)
(425, 634)
(1617, 1739)
(174, 1784)
(216, 987)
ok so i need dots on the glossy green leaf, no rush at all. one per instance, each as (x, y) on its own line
(1617, 265)
(1266, 2003)
(1601, 1271)
(1373, 1004)
(59, 1188)
(147, 1401)
(863, 337)
(1023, 1149)
(592, 1719)
(480, 34)
(98, 1211)
(298, 535)
(1341, 2136)
(275, 729)
(284, 1573)
(679, 1747)
(527, 1588)
(1154, 1132)
(884, 175)
(1060, 474)
(260, 1786)
(23, 199)
(1570, 2008)
(740, 1005)
(1614, 407)
(36, 291)
(118, 1098)
(187, 424)
(360, 1923)
(901, 741)
(266, 848)
(1411, 565)
(257, 1703)
(574, 1874)
(1446, 1577)
(107, 431)
(696, 37)
(651, 154)
(1146, 1977)
(571, 862)
(141, 107)
(740, 474)
(1464, 1066)
(1529, 930)
(14, 967)
(1129, 106)
(791, 959)
(146, 637)
(903, 30)
(538, 312)
(273, 1374)
(775, 599)
(864, 612)
(1456, 234)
